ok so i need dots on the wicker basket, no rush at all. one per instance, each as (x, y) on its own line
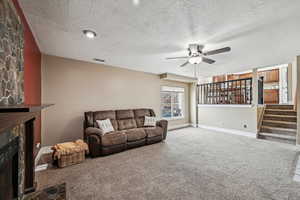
(71, 159)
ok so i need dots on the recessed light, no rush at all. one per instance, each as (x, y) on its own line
(136, 2)
(89, 34)
(98, 60)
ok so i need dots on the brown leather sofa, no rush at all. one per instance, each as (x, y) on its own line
(129, 131)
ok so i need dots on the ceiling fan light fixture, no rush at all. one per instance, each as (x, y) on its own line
(195, 60)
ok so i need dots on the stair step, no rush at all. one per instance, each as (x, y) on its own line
(277, 130)
(280, 106)
(278, 138)
(280, 112)
(280, 118)
(280, 124)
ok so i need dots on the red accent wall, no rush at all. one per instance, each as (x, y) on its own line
(32, 69)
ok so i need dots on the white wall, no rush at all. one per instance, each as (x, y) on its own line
(229, 117)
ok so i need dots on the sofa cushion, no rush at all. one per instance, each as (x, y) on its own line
(150, 121)
(89, 119)
(135, 134)
(140, 122)
(125, 124)
(124, 114)
(141, 113)
(114, 138)
(105, 125)
(154, 131)
(107, 114)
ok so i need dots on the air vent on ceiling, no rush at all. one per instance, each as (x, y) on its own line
(98, 60)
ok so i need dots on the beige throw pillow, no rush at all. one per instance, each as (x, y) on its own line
(150, 121)
(105, 125)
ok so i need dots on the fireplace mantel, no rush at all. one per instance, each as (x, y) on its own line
(10, 120)
(23, 108)
(15, 115)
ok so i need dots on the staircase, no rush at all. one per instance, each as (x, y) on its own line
(279, 124)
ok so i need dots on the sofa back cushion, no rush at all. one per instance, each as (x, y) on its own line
(125, 119)
(124, 114)
(107, 114)
(139, 115)
(125, 124)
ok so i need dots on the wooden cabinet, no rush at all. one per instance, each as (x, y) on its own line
(246, 75)
(270, 76)
(232, 77)
(271, 96)
(220, 78)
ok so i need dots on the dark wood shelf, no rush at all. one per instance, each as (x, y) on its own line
(23, 108)
(12, 115)
(10, 120)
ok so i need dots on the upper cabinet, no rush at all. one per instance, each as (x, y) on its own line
(231, 77)
(270, 76)
(246, 75)
(220, 78)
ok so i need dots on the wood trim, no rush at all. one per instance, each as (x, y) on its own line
(295, 101)
(29, 185)
(260, 119)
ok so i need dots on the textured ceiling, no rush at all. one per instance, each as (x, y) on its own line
(139, 37)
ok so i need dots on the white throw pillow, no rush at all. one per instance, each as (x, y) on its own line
(105, 125)
(150, 121)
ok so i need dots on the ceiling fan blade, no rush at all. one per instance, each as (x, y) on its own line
(184, 64)
(180, 57)
(208, 60)
(217, 51)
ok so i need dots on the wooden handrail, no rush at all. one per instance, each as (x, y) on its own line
(260, 119)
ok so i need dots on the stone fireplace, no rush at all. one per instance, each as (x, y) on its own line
(9, 167)
(17, 150)
(12, 163)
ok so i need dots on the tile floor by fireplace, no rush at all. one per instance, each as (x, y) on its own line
(191, 164)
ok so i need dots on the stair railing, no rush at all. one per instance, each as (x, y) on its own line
(260, 120)
(226, 92)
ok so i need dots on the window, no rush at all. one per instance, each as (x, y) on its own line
(172, 102)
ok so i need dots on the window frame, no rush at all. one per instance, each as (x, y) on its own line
(172, 90)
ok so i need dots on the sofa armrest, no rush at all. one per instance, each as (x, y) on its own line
(93, 131)
(164, 125)
(93, 137)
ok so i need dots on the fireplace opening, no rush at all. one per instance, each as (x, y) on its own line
(9, 161)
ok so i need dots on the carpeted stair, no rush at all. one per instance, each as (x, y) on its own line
(279, 124)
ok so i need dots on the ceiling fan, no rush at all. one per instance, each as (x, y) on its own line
(196, 55)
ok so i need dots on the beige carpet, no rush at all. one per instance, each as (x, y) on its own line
(192, 164)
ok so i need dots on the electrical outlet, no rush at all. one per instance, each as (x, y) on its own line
(245, 125)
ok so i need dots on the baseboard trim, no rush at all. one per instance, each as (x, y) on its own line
(41, 167)
(172, 128)
(230, 131)
(297, 171)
